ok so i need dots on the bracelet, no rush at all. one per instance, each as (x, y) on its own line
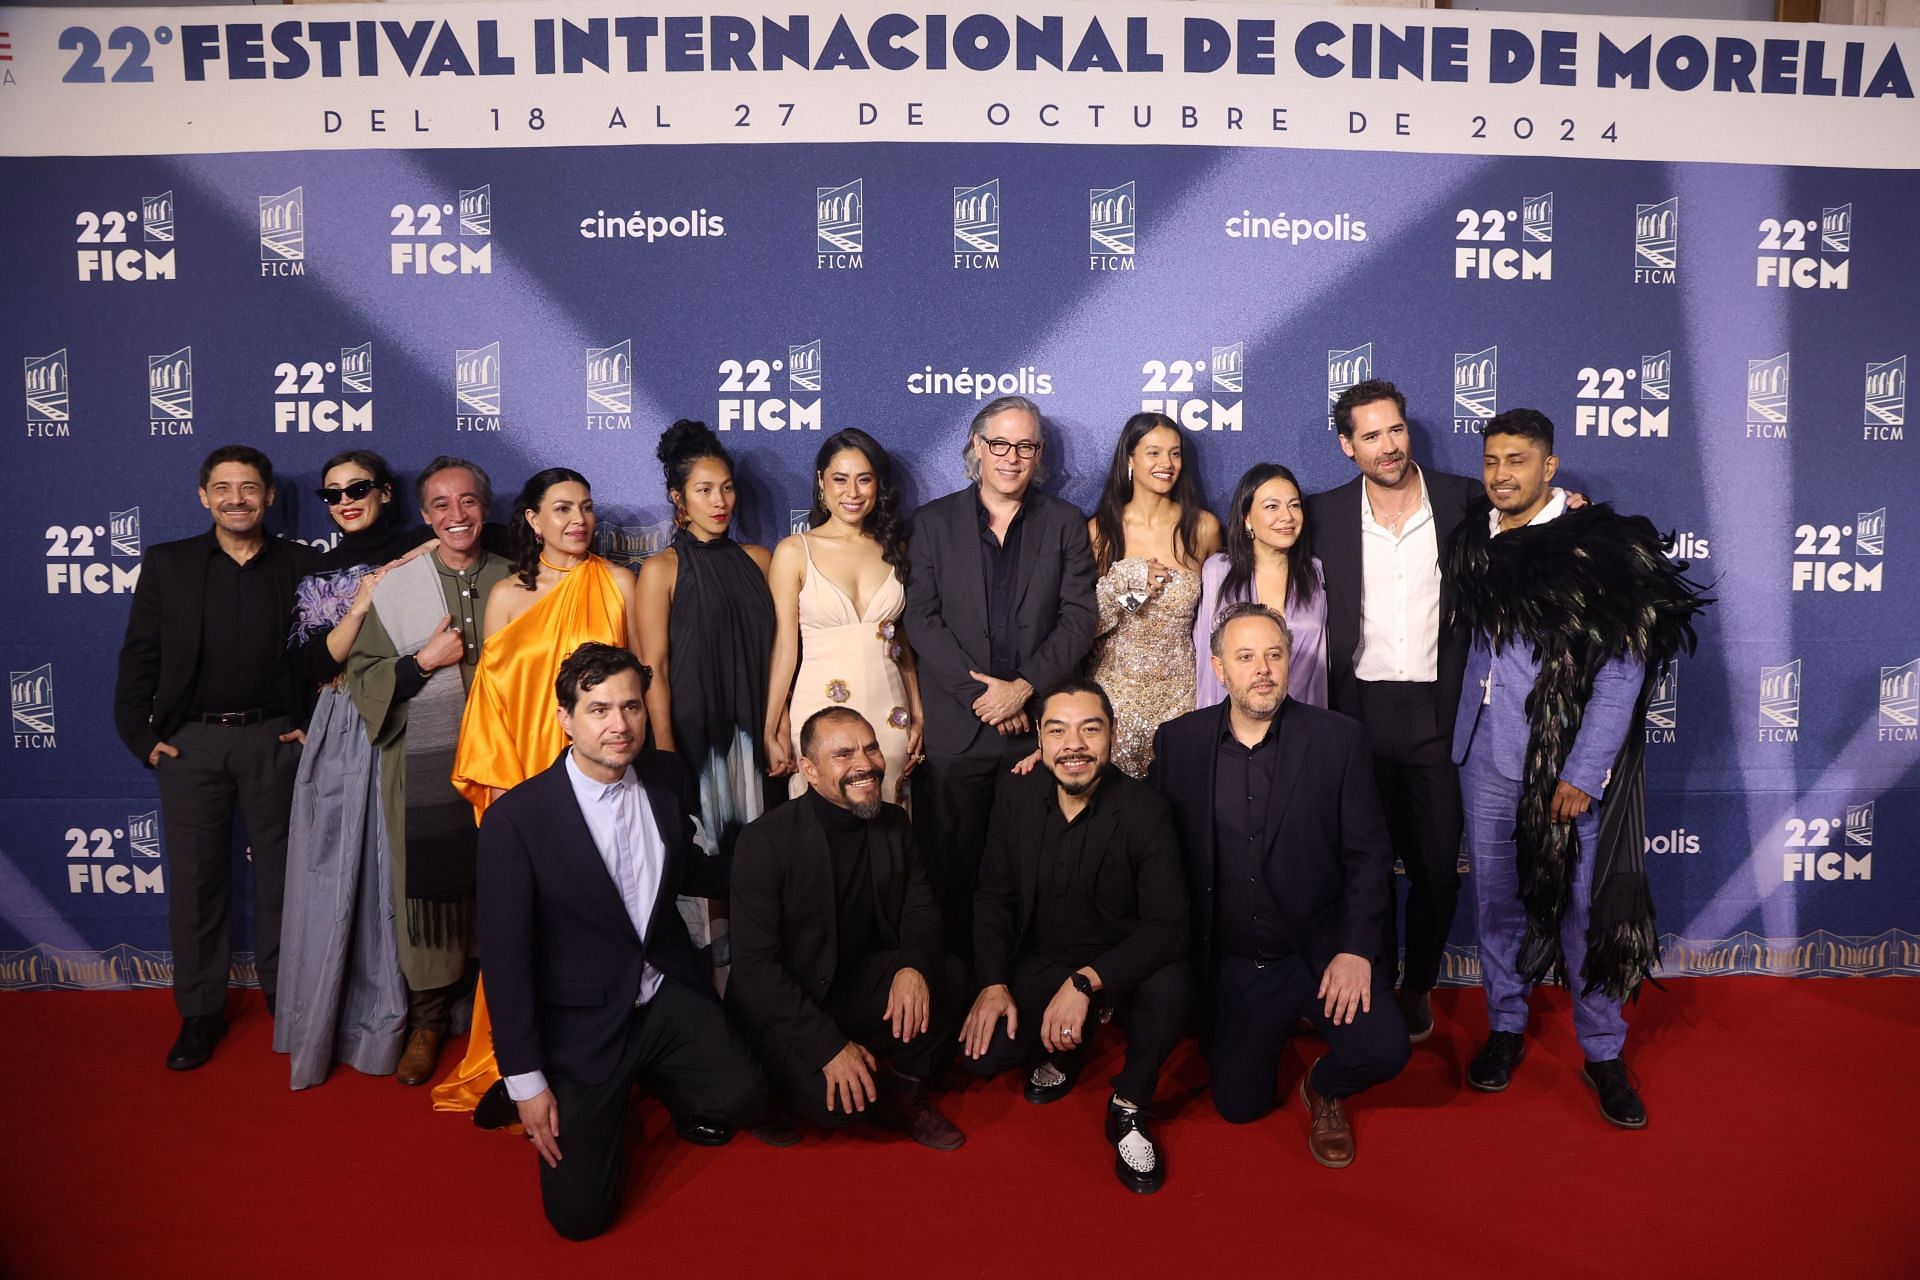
(414, 658)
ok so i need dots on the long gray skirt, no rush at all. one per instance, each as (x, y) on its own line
(342, 995)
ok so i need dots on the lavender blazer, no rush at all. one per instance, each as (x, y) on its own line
(1307, 679)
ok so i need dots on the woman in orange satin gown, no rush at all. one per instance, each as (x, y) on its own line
(561, 596)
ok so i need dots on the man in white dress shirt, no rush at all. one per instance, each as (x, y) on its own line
(591, 979)
(1394, 663)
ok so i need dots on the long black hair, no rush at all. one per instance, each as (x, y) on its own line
(525, 542)
(683, 444)
(1302, 585)
(883, 524)
(1109, 518)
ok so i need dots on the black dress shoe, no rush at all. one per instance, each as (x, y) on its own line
(702, 1132)
(194, 1045)
(496, 1109)
(1136, 1157)
(1492, 1070)
(1053, 1078)
(1619, 1102)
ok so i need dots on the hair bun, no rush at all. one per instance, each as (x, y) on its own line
(686, 438)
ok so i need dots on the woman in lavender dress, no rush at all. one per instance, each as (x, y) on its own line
(342, 995)
(1268, 558)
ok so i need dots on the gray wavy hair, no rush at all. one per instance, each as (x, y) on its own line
(991, 410)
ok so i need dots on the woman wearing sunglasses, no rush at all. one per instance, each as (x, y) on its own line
(332, 1005)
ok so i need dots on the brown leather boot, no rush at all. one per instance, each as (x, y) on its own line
(1330, 1135)
(904, 1106)
(421, 1056)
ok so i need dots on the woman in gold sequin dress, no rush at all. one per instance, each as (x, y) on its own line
(1150, 535)
(838, 592)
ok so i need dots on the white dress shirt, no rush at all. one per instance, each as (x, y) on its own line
(621, 823)
(1399, 594)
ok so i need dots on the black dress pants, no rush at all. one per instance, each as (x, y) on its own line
(856, 1002)
(219, 770)
(681, 1047)
(1410, 736)
(952, 800)
(1254, 1007)
(1154, 1014)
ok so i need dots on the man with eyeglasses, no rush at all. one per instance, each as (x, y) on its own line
(999, 604)
(207, 697)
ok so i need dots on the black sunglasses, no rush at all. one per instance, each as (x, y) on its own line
(352, 493)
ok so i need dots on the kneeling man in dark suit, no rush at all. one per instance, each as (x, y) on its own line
(1291, 869)
(837, 940)
(591, 979)
(1081, 904)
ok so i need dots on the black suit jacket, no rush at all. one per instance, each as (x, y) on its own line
(1336, 540)
(946, 613)
(561, 957)
(1130, 867)
(160, 656)
(1329, 865)
(785, 930)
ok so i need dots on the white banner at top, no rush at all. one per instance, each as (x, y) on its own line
(155, 81)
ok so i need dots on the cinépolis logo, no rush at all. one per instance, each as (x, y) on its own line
(645, 227)
(1293, 230)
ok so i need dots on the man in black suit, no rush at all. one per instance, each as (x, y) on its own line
(208, 699)
(1081, 905)
(1288, 857)
(591, 978)
(837, 941)
(999, 604)
(1394, 661)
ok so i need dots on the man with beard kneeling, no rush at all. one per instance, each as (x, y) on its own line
(837, 940)
(1081, 904)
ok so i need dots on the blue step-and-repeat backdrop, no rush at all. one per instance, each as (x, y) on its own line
(534, 234)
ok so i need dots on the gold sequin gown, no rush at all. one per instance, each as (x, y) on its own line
(1144, 658)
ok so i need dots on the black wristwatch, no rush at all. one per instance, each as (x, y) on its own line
(1082, 984)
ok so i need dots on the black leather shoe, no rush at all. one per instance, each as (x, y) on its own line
(1619, 1102)
(1136, 1157)
(1053, 1079)
(702, 1132)
(194, 1045)
(496, 1109)
(1492, 1070)
(776, 1128)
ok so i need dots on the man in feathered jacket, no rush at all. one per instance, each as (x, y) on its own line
(1572, 614)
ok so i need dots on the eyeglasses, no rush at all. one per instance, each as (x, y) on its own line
(1026, 449)
(352, 493)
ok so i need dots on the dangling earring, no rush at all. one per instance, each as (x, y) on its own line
(1129, 473)
(1249, 529)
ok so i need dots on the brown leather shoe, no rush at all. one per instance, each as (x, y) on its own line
(1330, 1137)
(421, 1056)
(904, 1106)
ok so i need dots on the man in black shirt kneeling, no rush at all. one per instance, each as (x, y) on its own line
(837, 941)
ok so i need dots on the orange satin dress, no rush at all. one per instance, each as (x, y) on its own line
(510, 733)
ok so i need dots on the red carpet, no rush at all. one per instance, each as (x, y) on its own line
(1784, 1129)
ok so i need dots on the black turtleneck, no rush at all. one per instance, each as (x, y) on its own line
(852, 878)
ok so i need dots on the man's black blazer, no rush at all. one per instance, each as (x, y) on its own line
(1329, 865)
(1336, 540)
(785, 930)
(560, 955)
(946, 613)
(160, 657)
(1130, 864)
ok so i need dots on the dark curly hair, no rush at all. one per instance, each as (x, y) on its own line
(683, 444)
(884, 523)
(1302, 585)
(1109, 518)
(526, 543)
